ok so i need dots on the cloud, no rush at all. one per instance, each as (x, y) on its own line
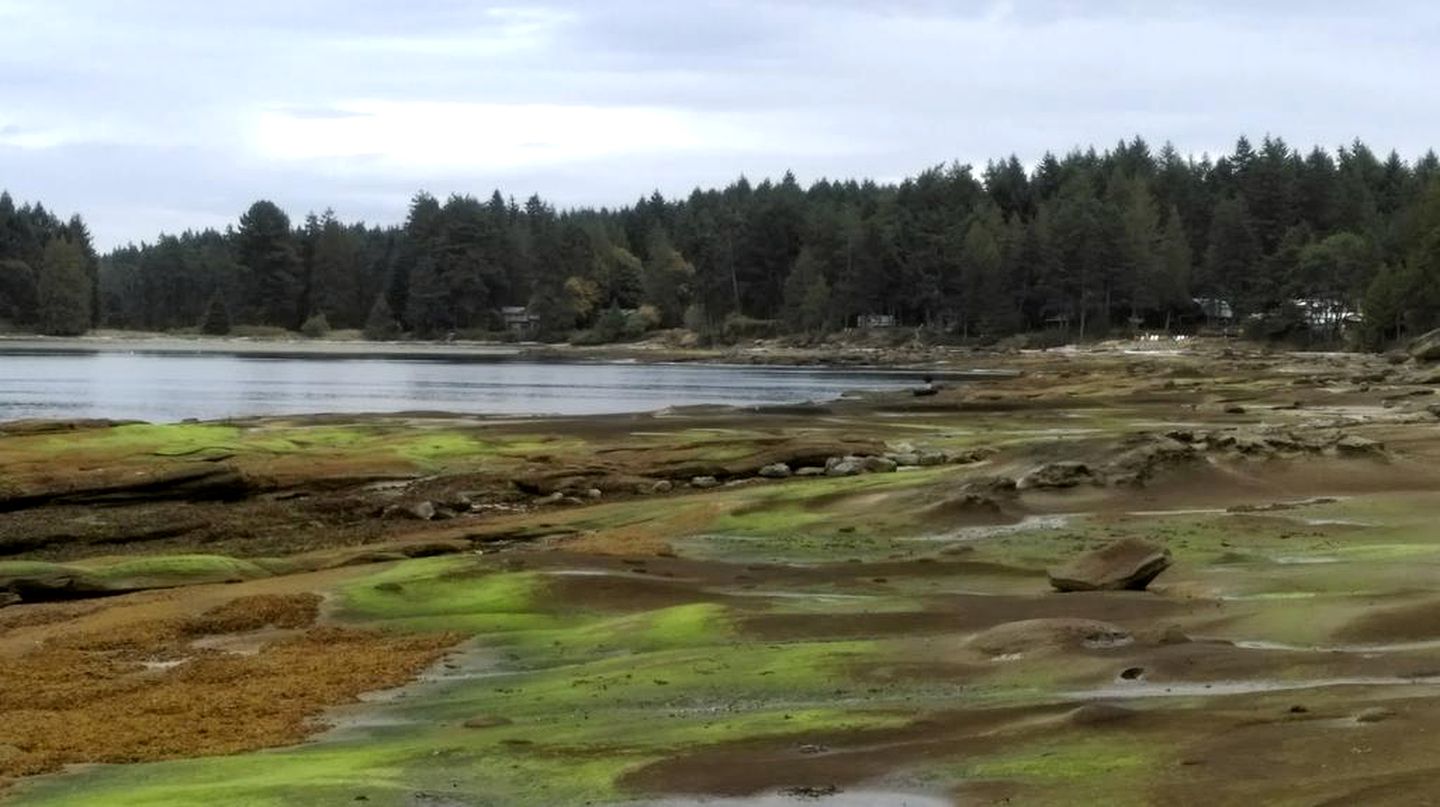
(161, 114)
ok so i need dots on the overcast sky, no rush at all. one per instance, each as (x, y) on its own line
(159, 115)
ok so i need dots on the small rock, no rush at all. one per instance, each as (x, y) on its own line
(663, 486)
(1127, 564)
(704, 482)
(777, 470)
(844, 466)
(1355, 444)
(878, 465)
(1132, 673)
(929, 459)
(810, 471)
(421, 511)
(594, 493)
(910, 460)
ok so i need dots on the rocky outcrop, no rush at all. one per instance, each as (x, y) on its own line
(1033, 635)
(1426, 347)
(1127, 564)
(1059, 475)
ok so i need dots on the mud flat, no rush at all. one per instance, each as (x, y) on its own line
(839, 604)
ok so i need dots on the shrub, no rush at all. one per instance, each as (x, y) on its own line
(380, 324)
(216, 321)
(739, 326)
(316, 326)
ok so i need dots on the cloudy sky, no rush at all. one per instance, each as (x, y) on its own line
(159, 115)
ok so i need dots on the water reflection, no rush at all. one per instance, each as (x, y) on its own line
(174, 387)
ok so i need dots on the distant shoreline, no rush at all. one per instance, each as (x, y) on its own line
(245, 346)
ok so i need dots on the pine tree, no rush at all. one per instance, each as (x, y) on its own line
(426, 310)
(63, 290)
(265, 248)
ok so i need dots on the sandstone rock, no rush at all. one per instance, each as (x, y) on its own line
(778, 470)
(1426, 347)
(704, 482)
(1032, 635)
(420, 511)
(967, 456)
(929, 459)
(878, 465)
(1355, 444)
(1138, 465)
(1052, 475)
(989, 485)
(1243, 442)
(1127, 564)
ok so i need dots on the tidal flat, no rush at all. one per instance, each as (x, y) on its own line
(840, 603)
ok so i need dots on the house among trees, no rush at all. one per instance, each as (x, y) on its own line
(518, 320)
(870, 321)
(1215, 309)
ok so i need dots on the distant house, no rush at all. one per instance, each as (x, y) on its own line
(518, 320)
(1215, 309)
(868, 321)
(1325, 313)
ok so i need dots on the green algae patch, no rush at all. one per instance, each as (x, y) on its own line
(173, 570)
(1109, 768)
(448, 593)
(103, 575)
(166, 440)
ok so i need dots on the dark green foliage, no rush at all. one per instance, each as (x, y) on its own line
(63, 290)
(1082, 244)
(216, 321)
(265, 250)
(380, 324)
(316, 326)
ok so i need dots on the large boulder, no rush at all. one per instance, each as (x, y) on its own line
(1127, 564)
(1037, 635)
(1426, 347)
(1058, 475)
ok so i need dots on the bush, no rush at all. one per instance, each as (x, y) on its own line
(260, 331)
(641, 321)
(316, 326)
(380, 324)
(739, 326)
(216, 321)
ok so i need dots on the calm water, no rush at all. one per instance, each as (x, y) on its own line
(159, 387)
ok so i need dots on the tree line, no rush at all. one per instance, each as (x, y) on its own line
(1088, 243)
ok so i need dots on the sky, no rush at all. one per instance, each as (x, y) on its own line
(166, 115)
